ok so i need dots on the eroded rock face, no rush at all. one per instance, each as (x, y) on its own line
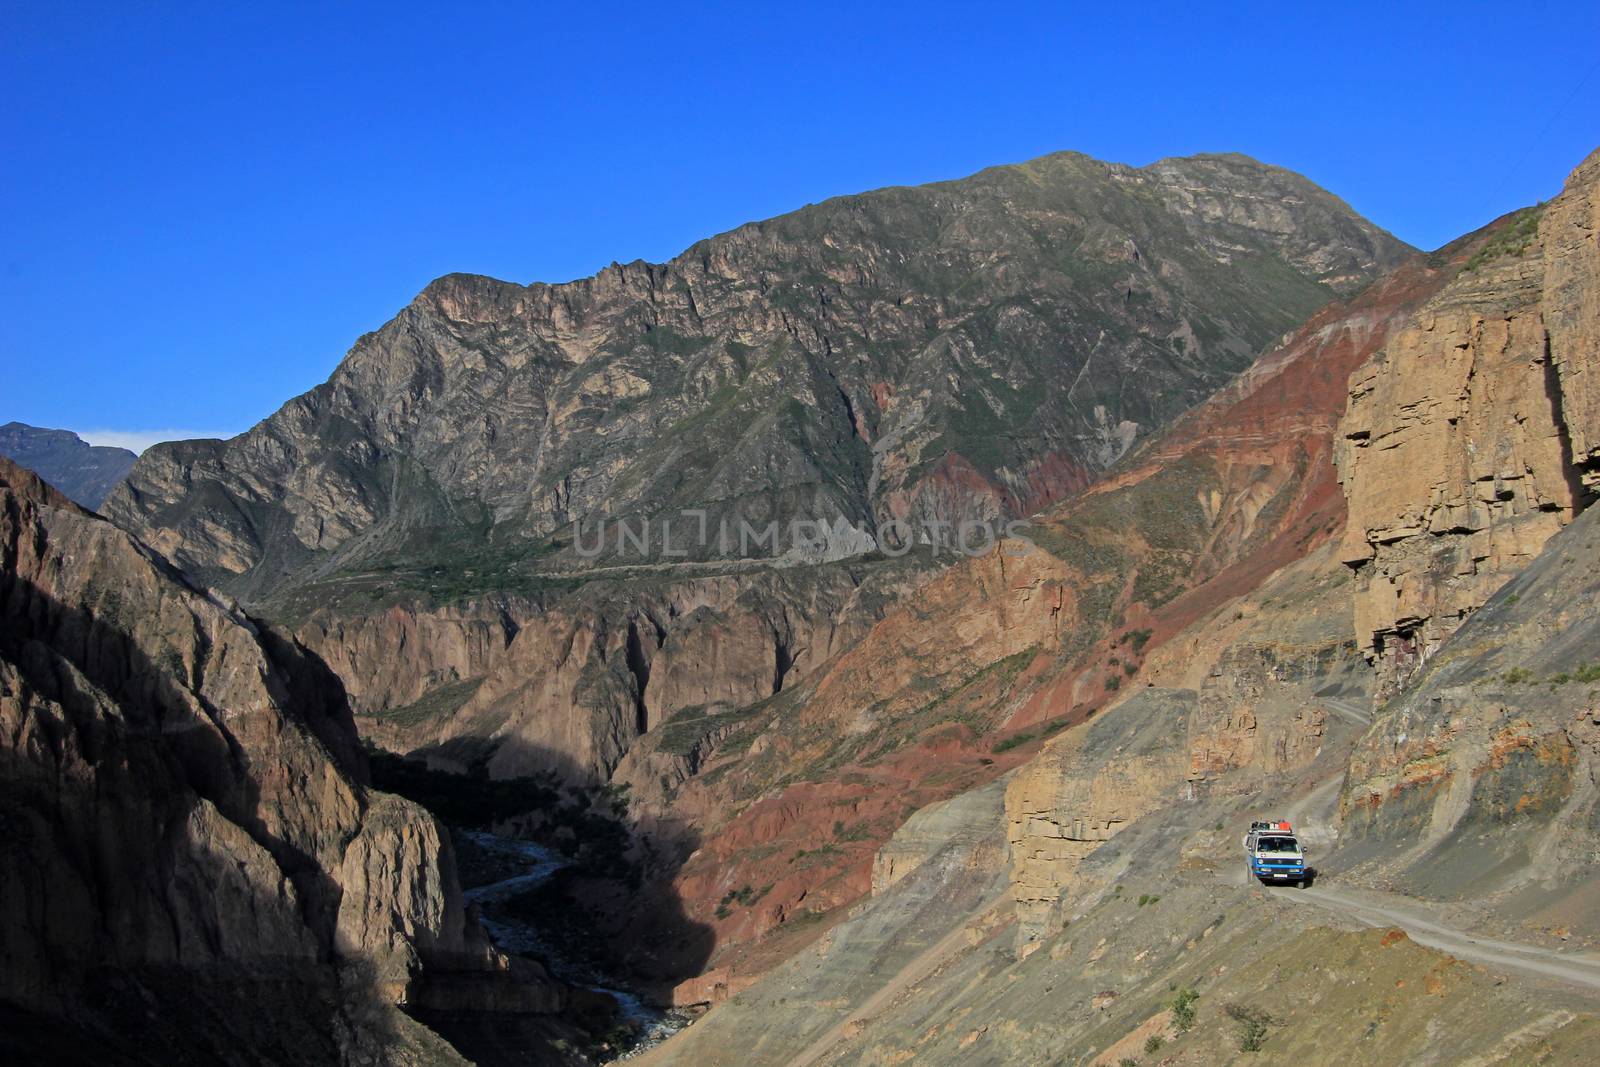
(1085, 788)
(971, 349)
(1571, 311)
(1468, 438)
(183, 796)
(1479, 780)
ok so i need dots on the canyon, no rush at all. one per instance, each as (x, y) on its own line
(1299, 525)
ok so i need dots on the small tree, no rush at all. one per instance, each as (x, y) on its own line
(1252, 1024)
(1182, 1006)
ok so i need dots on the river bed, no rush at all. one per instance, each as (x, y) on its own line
(532, 865)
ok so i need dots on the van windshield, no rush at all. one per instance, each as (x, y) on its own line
(1279, 844)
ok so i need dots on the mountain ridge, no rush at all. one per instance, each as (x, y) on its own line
(86, 473)
(850, 360)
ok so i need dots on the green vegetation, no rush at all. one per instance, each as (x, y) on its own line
(1252, 1025)
(1182, 1008)
(859, 832)
(810, 857)
(435, 704)
(1136, 639)
(1153, 1044)
(744, 896)
(1006, 744)
(685, 731)
(1587, 673)
(1511, 239)
(1148, 898)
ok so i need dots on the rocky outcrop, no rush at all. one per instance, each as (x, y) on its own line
(1481, 780)
(85, 473)
(582, 681)
(1467, 438)
(970, 349)
(1570, 308)
(1086, 788)
(184, 807)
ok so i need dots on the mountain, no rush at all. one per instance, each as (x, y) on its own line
(1428, 443)
(970, 349)
(931, 808)
(193, 866)
(85, 473)
(973, 349)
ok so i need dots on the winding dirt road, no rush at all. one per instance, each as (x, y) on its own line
(1375, 909)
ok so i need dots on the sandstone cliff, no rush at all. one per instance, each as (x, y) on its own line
(1470, 438)
(190, 853)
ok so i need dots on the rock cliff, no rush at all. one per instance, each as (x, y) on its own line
(1469, 440)
(190, 853)
(1481, 780)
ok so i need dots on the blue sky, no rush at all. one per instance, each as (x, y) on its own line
(207, 204)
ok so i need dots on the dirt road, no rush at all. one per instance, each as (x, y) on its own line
(1376, 909)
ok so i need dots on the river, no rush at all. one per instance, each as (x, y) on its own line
(536, 863)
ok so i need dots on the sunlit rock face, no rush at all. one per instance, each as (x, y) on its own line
(1470, 439)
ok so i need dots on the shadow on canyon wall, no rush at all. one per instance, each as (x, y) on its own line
(614, 906)
(126, 937)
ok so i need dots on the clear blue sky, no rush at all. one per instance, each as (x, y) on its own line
(205, 205)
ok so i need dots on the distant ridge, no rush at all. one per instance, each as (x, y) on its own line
(82, 471)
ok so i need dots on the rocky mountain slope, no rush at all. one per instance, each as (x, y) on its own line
(972, 672)
(1461, 807)
(194, 870)
(85, 473)
(929, 812)
(969, 349)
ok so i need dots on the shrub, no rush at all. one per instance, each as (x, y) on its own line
(1182, 1006)
(1148, 898)
(1517, 676)
(1588, 673)
(1252, 1025)
(1014, 741)
(1153, 1043)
